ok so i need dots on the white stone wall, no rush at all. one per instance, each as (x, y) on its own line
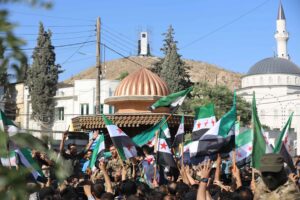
(275, 102)
(71, 98)
(270, 79)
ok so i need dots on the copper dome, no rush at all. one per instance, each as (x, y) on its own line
(142, 83)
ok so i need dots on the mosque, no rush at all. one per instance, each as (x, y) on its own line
(276, 82)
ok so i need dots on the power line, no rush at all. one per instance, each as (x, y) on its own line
(58, 46)
(77, 49)
(72, 61)
(120, 41)
(75, 32)
(117, 34)
(67, 38)
(126, 57)
(115, 45)
(54, 17)
(224, 25)
(58, 26)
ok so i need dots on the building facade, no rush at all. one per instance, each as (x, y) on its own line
(276, 83)
(71, 101)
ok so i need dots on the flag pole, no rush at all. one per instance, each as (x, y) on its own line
(157, 143)
(155, 151)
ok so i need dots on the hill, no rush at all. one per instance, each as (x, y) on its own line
(199, 71)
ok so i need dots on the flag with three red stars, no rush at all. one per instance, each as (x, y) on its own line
(164, 154)
(204, 120)
(124, 145)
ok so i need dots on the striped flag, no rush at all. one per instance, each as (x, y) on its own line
(7, 125)
(124, 145)
(147, 137)
(282, 145)
(204, 120)
(27, 161)
(243, 147)
(164, 154)
(10, 160)
(98, 151)
(179, 137)
(260, 143)
(220, 138)
(173, 101)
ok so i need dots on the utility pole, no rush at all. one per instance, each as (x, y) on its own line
(98, 67)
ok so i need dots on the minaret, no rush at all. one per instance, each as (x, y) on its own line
(281, 34)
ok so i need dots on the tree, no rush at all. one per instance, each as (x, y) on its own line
(10, 52)
(172, 68)
(42, 79)
(123, 75)
(222, 98)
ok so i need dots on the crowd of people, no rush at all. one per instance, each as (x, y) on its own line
(116, 179)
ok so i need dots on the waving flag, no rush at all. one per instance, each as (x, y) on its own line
(10, 160)
(6, 125)
(282, 145)
(164, 154)
(147, 137)
(124, 145)
(204, 120)
(173, 101)
(220, 138)
(243, 147)
(179, 137)
(98, 151)
(27, 161)
(260, 143)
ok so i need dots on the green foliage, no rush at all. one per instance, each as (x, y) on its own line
(123, 75)
(13, 183)
(222, 98)
(10, 52)
(171, 68)
(42, 78)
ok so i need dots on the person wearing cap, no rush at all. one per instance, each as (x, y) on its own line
(274, 182)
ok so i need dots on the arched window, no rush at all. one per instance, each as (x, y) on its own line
(262, 114)
(261, 80)
(270, 80)
(278, 80)
(275, 115)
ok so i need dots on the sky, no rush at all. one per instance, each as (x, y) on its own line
(232, 34)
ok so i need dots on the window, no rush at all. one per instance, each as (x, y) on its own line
(261, 81)
(270, 80)
(84, 109)
(110, 92)
(101, 106)
(60, 113)
(275, 114)
(143, 35)
(111, 109)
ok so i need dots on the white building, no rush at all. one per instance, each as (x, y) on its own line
(276, 82)
(71, 101)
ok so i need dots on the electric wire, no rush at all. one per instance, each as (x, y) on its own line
(225, 25)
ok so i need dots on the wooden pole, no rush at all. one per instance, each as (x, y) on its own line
(234, 159)
(157, 143)
(98, 66)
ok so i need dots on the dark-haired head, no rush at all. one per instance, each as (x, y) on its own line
(98, 189)
(243, 193)
(128, 188)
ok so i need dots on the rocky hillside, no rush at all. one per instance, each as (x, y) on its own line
(199, 71)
